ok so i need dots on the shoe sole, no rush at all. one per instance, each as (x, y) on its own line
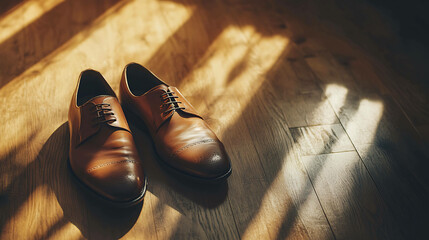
(180, 173)
(142, 126)
(105, 200)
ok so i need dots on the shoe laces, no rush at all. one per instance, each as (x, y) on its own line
(102, 110)
(169, 99)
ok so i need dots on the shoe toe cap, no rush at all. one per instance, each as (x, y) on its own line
(118, 184)
(207, 160)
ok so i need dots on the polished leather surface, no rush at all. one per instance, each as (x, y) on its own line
(182, 138)
(102, 154)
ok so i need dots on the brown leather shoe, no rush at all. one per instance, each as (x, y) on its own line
(102, 154)
(183, 141)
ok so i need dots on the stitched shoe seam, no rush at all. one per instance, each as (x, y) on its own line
(111, 163)
(174, 154)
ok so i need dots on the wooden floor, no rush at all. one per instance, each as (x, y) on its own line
(323, 109)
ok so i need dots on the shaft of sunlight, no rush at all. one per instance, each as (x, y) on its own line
(23, 15)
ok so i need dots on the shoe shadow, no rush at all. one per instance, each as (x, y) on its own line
(162, 180)
(94, 219)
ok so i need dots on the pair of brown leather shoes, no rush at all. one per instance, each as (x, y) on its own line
(103, 154)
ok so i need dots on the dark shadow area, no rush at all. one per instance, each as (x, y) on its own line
(411, 17)
(7, 5)
(54, 28)
(94, 219)
(412, 24)
(393, 31)
(398, 165)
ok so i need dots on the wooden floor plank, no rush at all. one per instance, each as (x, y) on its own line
(283, 169)
(407, 92)
(306, 105)
(349, 197)
(281, 166)
(323, 139)
(280, 161)
(399, 187)
(379, 119)
(248, 185)
(374, 122)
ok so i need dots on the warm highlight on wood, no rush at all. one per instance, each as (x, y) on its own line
(319, 104)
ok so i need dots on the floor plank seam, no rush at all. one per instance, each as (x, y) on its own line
(153, 215)
(320, 154)
(315, 125)
(259, 155)
(233, 218)
(318, 199)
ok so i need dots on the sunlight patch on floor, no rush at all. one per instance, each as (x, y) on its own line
(234, 70)
(289, 195)
(293, 175)
(363, 127)
(24, 15)
(336, 94)
(68, 230)
(168, 217)
(360, 117)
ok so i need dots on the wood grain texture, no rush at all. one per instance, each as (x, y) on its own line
(323, 139)
(349, 197)
(320, 105)
(402, 190)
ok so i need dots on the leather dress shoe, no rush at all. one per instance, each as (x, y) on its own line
(102, 154)
(183, 141)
